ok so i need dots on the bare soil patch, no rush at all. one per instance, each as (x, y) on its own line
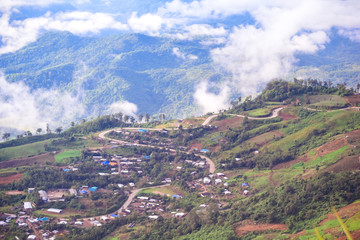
(195, 145)
(354, 101)
(344, 212)
(246, 227)
(331, 146)
(228, 123)
(193, 122)
(215, 148)
(353, 137)
(272, 180)
(14, 192)
(11, 178)
(287, 116)
(28, 161)
(266, 137)
(349, 163)
(355, 235)
(303, 158)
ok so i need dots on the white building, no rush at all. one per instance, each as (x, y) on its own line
(207, 180)
(54, 210)
(27, 206)
(43, 195)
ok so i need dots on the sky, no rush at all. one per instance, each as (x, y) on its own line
(254, 40)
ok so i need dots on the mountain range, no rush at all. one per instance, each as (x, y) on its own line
(158, 74)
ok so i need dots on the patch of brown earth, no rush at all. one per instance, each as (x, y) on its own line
(344, 212)
(215, 148)
(272, 180)
(247, 226)
(331, 146)
(353, 137)
(192, 122)
(28, 161)
(11, 178)
(195, 145)
(353, 100)
(266, 137)
(349, 163)
(228, 123)
(355, 235)
(303, 158)
(287, 116)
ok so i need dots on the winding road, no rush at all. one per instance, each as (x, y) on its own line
(274, 114)
(212, 166)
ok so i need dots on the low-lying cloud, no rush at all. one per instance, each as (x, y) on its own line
(24, 109)
(253, 54)
(124, 107)
(209, 101)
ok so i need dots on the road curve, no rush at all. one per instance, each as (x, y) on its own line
(209, 119)
(274, 114)
(133, 194)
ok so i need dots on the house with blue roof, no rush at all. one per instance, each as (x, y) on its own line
(143, 130)
(93, 189)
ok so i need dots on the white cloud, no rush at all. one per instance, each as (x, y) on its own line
(124, 107)
(7, 6)
(148, 23)
(352, 34)
(200, 30)
(209, 101)
(176, 51)
(256, 54)
(18, 34)
(26, 110)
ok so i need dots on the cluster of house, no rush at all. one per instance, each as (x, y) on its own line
(216, 179)
(199, 163)
(133, 137)
(144, 204)
(27, 222)
(120, 165)
(151, 206)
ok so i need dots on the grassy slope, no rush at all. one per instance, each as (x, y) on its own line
(59, 158)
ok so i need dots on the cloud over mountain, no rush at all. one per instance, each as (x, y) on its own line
(253, 53)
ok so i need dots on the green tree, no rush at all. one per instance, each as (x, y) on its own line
(6, 136)
(140, 117)
(39, 130)
(58, 130)
(147, 117)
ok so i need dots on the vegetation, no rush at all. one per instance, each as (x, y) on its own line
(279, 171)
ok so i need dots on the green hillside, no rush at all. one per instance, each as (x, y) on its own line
(275, 176)
(133, 67)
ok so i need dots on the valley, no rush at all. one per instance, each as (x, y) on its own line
(269, 177)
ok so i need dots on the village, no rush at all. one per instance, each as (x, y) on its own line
(109, 164)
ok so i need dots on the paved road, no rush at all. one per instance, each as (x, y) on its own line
(318, 110)
(212, 168)
(274, 114)
(209, 119)
(133, 194)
